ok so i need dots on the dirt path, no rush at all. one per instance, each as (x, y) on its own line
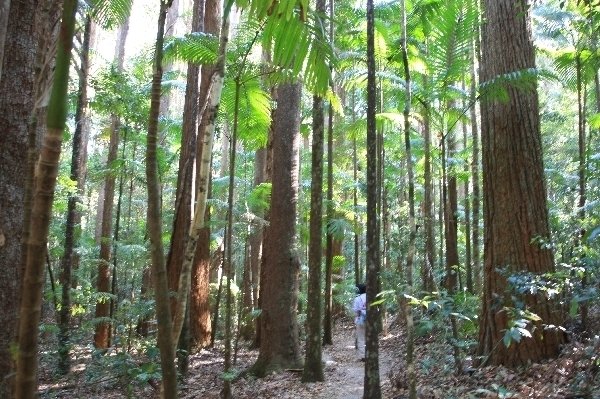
(344, 375)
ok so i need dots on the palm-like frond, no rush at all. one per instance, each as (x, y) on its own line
(196, 47)
(450, 43)
(300, 47)
(110, 13)
(254, 110)
(525, 79)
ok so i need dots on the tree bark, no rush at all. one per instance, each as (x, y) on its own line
(279, 346)
(183, 194)
(16, 103)
(372, 387)
(200, 322)
(45, 181)
(313, 367)
(514, 193)
(205, 135)
(159, 271)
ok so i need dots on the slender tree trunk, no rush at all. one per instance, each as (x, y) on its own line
(70, 235)
(279, 344)
(581, 111)
(467, 206)
(327, 316)
(372, 388)
(45, 181)
(229, 272)
(428, 211)
(159, 271)
(477, 282)
(313, 367)
(255, 240)
(412, 379)
(357, 275)
(450, 210)
(102, 334)
(515, 209)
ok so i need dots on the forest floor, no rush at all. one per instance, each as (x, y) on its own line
(575, 374)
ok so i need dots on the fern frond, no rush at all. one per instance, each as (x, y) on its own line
(254, 111)
(524, 79)
(110, 13)
(196, 47)
(450, 43)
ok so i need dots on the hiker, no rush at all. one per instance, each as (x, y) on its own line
(360, 320)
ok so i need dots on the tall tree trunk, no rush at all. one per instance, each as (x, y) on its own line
(228, 261)
(372, 388)
(159, 270)
(428, 211)
(255, 240)
(477, 271)
(313, 367)
(467, 206)
(16, 103)
(208, 111)
(357, 275)
(70, 238)
(200, 325)
(45, 181)
(450, 205)
(279, 348)
(328, 316)
(514, 193)
(183, 195)
(582, 168)
(410, 333)
(102, 334)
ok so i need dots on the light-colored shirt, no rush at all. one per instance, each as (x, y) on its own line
(360, 303)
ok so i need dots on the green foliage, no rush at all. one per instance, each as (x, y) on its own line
(195, 47)
(110, 13)
(259, 198)
(254, 110)
(517, 325)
